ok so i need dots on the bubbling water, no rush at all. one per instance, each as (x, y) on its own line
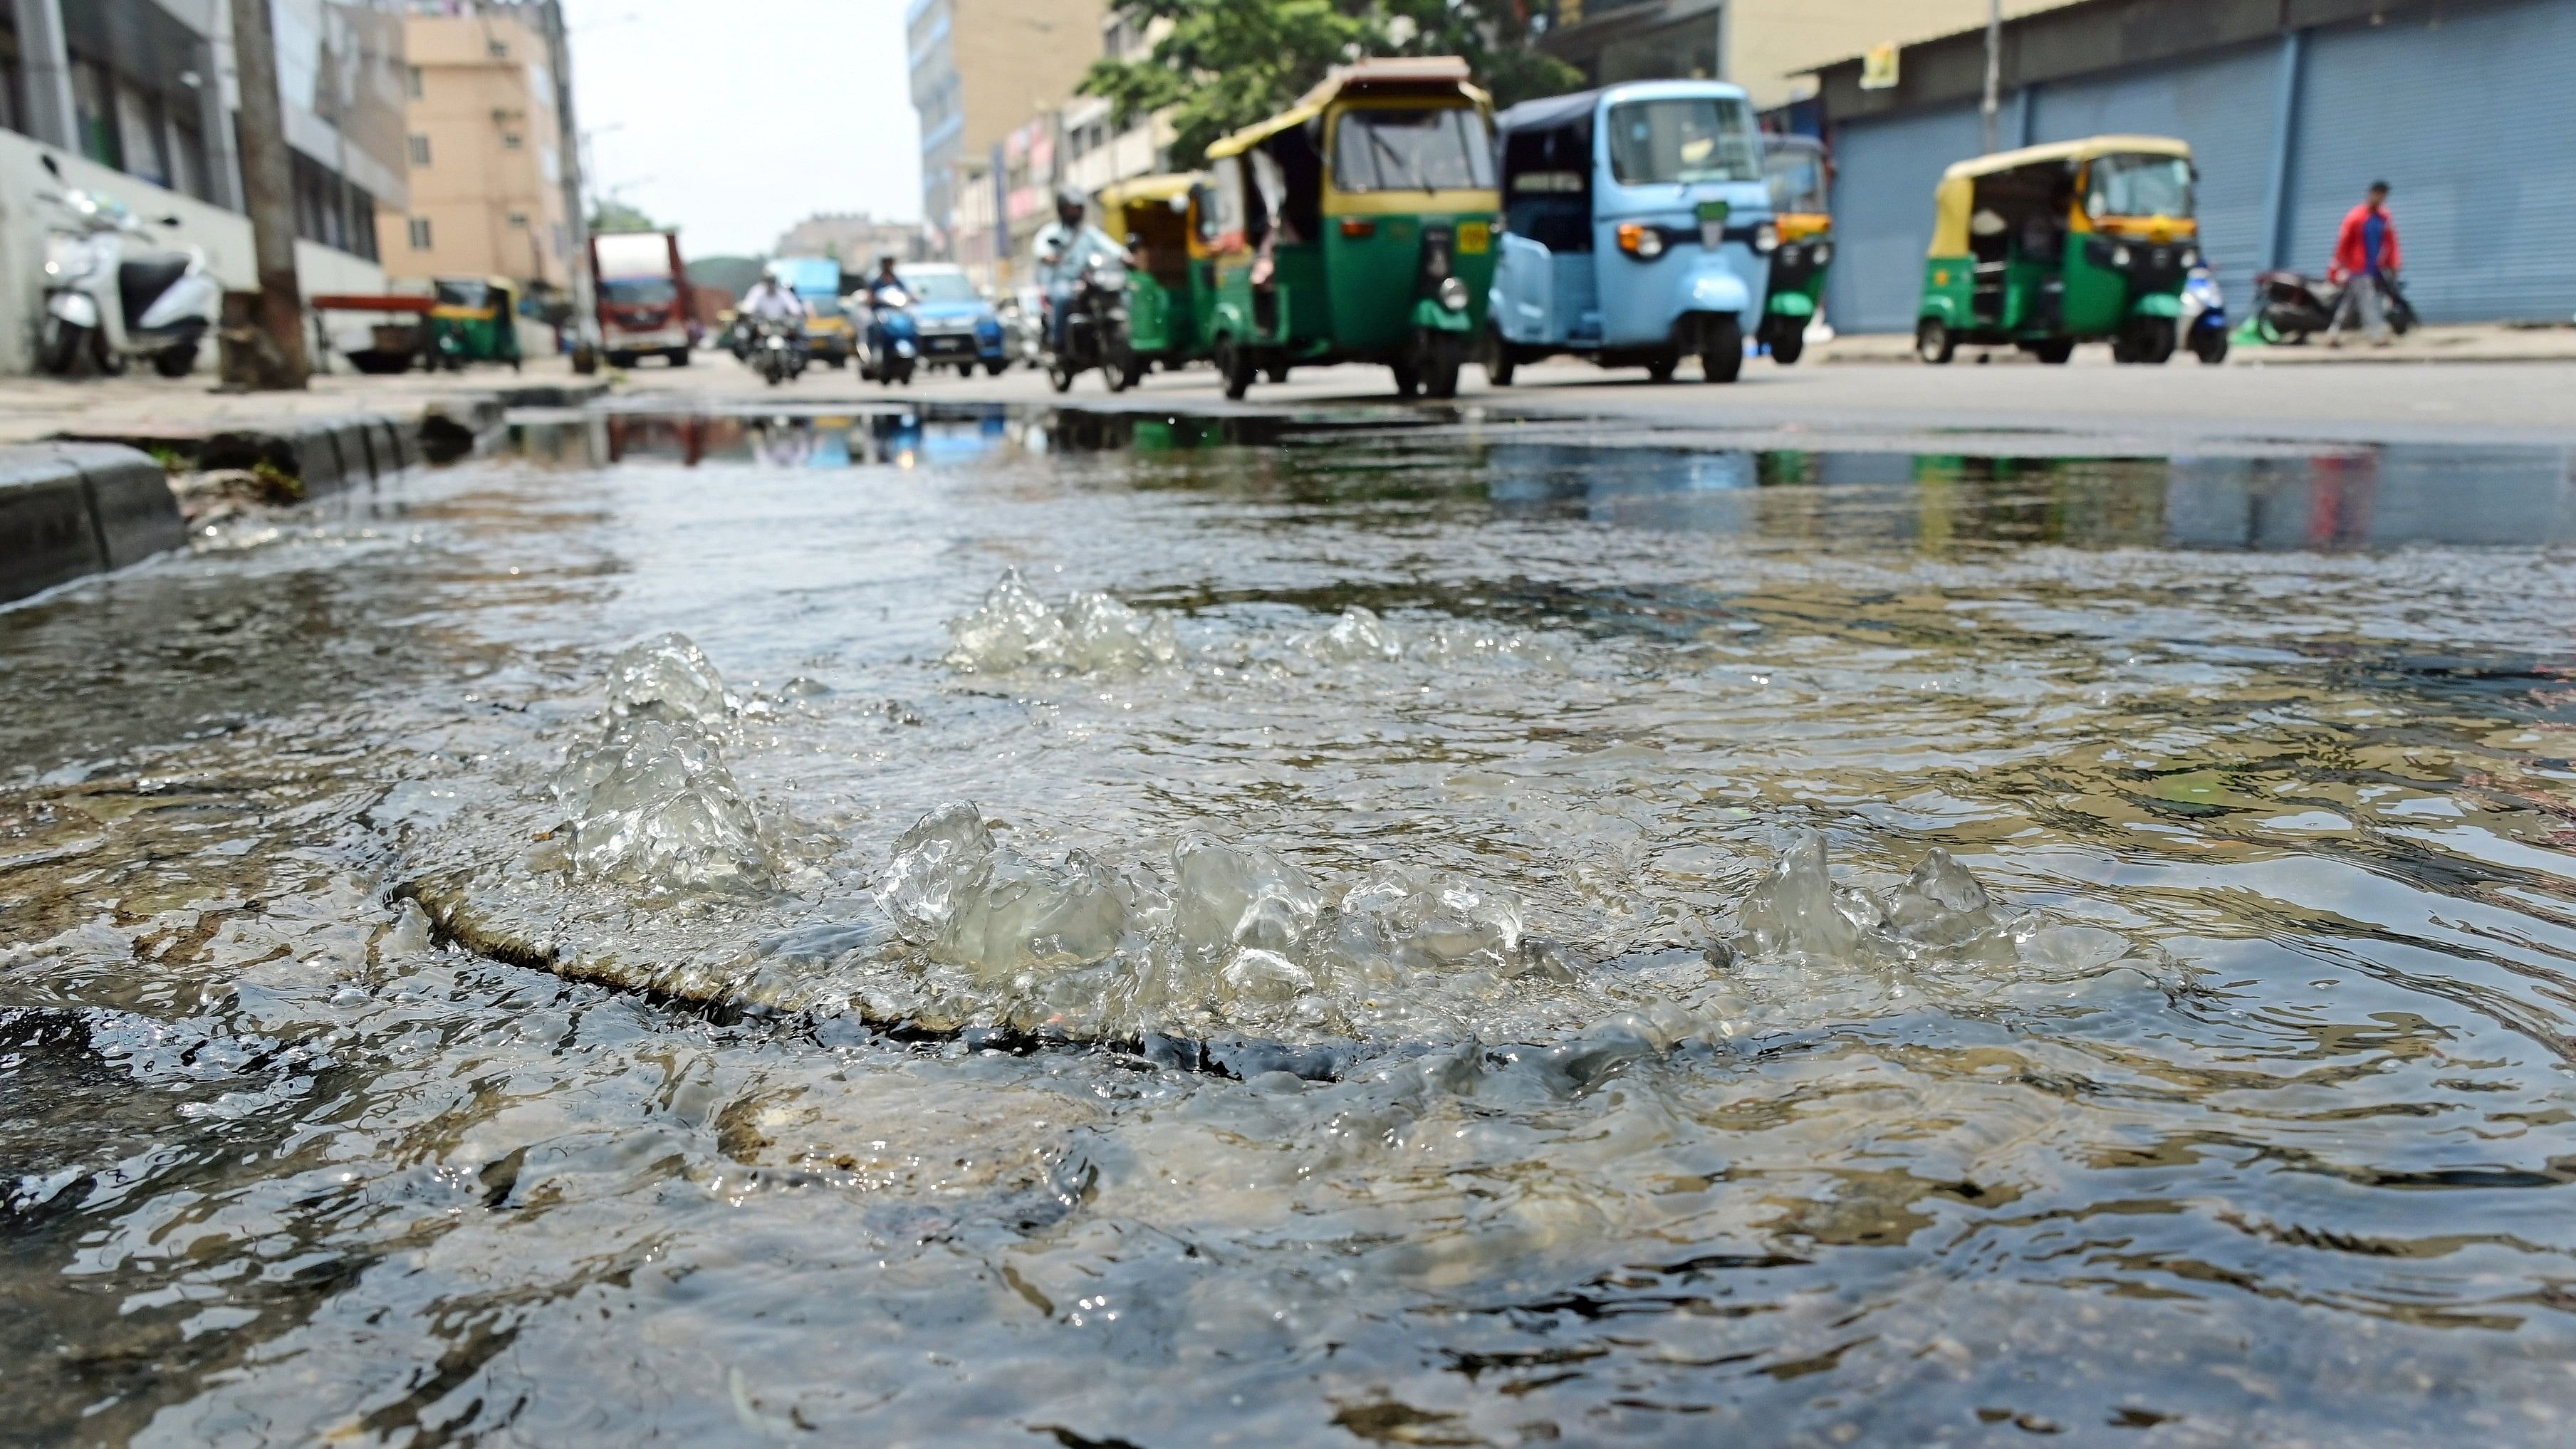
(1015, 628)
(650, 802)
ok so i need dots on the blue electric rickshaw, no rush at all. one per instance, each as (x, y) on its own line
(1637, 229)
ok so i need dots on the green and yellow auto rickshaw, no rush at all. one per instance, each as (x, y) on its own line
(473, 319)
(1797, 171)
(2050, 246)
(1357, 227)
(1171, 291)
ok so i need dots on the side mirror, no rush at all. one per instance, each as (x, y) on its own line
(172, 220)
(53, 170)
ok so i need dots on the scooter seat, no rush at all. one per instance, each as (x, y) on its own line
(141, 279)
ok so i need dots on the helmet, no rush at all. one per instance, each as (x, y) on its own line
(1070, 198)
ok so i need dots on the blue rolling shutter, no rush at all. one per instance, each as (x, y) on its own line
(2468, 111)
(1884, 172)
(2226, 105)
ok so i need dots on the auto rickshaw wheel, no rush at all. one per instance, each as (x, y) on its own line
(1721, 349)
(1933, 342)
(2055, 351)
(1788, 341)
(1499, 360)
(1662, 370)
(1439, 356)
(2148, 341)
(1234, 364)
(1276, 372)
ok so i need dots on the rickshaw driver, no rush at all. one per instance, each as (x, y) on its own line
(1064, 246)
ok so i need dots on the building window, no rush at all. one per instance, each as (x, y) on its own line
(412, 81)
(420, 150)
(510, 141)
(519, 221)
(500, 49)
(419, 229)
(93, 113)
(362, 221)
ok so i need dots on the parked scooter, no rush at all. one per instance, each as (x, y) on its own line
(2204, 317)
(2296, 306)
(893, 343)
(778, 350)
(1095, 328)
(112, 305)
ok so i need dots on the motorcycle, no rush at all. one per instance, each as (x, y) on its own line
(894, 338)
(778, 350)
(2204, 317)
(114, 305)
(2296, 306)
(1094, 328)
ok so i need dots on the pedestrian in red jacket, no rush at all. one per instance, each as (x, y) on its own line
(2365, 257)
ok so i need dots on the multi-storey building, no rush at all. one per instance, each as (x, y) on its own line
(853, 238)
(137, 98)
(485, 151)
(980, 70)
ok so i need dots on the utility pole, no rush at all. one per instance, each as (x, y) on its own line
(585, 310)
(1994, 74)
(268, 194)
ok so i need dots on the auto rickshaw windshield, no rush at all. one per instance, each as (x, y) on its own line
(1414, 148)
(1797, 180)
(2140, 186)
(1682, 139)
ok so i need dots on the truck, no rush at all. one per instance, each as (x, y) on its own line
(643, 297)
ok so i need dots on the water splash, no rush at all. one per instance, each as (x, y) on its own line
(1015, 628)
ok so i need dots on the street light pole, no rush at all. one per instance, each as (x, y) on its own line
(1994, 74)
(268, 195)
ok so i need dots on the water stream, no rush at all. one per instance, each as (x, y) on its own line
(1112, 929)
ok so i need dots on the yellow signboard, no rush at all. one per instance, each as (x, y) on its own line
(1878, 68)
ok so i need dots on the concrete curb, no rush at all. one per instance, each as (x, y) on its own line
(88, 502)
(71, 509)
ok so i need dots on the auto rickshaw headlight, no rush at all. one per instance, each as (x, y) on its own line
(1823, 253)
(2190, 258)
(2119, 256)
(1453, 294)
(1766, 238)
(1640, 241)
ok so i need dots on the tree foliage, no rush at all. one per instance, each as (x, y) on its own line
(1225, 64)
(609, 216)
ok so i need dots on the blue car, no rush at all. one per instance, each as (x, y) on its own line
(1637, 229)
(959, 327)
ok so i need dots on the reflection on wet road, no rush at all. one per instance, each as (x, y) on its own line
(1465, 934)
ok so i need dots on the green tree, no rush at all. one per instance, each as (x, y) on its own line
(1225, 64)
(609, 216)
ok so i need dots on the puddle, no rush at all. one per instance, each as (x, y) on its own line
(2264, 497)
(1358, 927)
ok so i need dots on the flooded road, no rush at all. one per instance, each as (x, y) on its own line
(1123, 930)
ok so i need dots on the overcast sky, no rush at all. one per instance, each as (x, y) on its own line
(733, 119)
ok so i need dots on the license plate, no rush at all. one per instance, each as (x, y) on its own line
(1474, 237)
(1712, 224)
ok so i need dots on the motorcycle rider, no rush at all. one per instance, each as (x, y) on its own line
(1064, 246)
(773, 303)
(772, 300)
(885, 280)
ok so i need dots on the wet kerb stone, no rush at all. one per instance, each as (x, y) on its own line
(47, 535)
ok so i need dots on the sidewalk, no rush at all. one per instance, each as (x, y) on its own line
(2481, 342)
(141, 404)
